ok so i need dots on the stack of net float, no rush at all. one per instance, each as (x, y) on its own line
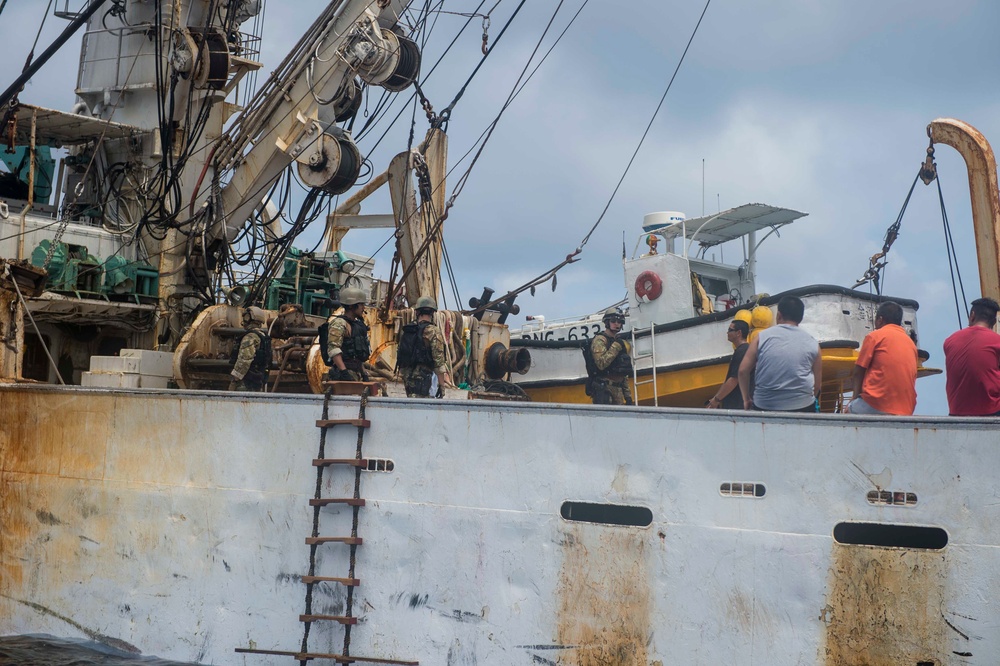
(757, 318)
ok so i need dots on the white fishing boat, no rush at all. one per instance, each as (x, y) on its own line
(680, 304)
(157, 516)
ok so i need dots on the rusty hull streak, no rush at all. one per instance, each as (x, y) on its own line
(604, 599)
(42, 518)
(884, 606)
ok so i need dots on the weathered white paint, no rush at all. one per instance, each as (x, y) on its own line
(174, 521)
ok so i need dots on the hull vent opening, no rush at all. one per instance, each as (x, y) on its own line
(380, 465)
(892, 498)
(737, 489)
(607, 514)
(887, 535)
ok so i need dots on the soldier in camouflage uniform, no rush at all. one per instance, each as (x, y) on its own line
(610, 366)
(422, 357)
(253, 358)
(347, 339)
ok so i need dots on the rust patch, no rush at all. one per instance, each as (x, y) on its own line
(884, 606)
(14, 531)
(47, 518)
(604, 597)
(40, 442)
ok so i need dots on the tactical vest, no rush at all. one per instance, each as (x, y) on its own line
(413, 348)
(622, 365)
(261, 364)
(356, 349)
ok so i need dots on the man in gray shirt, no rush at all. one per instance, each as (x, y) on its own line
(785, 364)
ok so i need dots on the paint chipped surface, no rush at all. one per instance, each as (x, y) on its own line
(604, 597)
(38, 443)
(884, 608)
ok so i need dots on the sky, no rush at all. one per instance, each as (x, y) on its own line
(812, 105)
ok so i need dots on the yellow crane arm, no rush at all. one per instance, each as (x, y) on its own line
(982, 166)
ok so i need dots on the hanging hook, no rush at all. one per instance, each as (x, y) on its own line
(486, 35)
(928, 172)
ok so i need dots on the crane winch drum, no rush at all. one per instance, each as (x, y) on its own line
(399, 65)
(332, 162)
(347, 101)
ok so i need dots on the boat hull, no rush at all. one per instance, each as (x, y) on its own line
(691, 357)
(173, 523)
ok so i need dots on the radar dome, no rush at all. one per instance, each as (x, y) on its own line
(661, 220)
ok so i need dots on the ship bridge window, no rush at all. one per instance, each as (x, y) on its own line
(714, 286)
(888, 535)
(607, 514)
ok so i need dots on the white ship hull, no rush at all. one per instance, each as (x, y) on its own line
(173, 522)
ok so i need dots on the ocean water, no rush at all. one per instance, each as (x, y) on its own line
(42, 650)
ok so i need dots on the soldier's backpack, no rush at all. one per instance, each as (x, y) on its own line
(592, 371)
(412, 349)
(324, 337)
(261, 361)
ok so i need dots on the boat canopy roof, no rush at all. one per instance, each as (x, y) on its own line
(730, 224)
(59, 128)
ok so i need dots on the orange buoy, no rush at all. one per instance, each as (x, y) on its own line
(648, 285)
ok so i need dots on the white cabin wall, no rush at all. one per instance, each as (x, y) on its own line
(673, 304)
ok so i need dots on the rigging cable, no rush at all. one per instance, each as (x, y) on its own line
(949, 243)
(648, 126)
(417, 84)
(877, 263)
(441, 216)
(38, 333)
(570, 258)
(517, 91)
(521, 87)
(445, 115)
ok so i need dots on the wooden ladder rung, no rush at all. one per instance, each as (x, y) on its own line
(339, 658)
(327, 462)
(276, 653)
(351, 541)
(323, 501)
(352, 388)
(332, 618)
(329, 423)
(347, 582)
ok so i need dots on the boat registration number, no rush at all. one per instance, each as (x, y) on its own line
(578, 332)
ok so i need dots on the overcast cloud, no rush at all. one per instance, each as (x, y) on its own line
(817, 106)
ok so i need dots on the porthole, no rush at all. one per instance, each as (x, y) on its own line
(607, 514)
(888, 535)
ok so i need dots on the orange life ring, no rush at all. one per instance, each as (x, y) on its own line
(648, 285)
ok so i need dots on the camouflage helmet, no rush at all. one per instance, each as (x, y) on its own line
(425, 303)
(614, 314)
(252, 315)
(352, 296)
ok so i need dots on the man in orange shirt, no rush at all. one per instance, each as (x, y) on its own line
(885, 374)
